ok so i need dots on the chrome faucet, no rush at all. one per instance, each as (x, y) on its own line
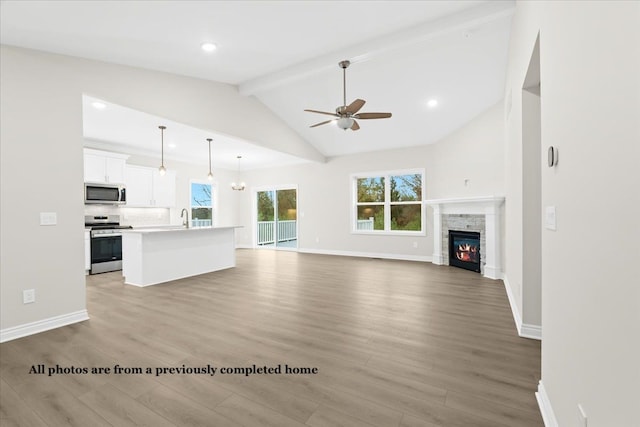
(185, 222)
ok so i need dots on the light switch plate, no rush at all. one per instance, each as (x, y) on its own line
(28, 296)
(48, 218)
(550, 217)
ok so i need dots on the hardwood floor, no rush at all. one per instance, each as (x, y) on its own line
(395, 343)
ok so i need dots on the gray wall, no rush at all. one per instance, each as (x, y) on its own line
(590, 111)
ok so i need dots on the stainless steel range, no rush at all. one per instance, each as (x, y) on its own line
(106, 242)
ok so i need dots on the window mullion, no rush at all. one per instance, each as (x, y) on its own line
(387, 203)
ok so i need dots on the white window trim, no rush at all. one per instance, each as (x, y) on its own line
(387, 204)
(214, 195)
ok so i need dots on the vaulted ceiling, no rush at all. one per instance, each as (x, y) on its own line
(286, 54)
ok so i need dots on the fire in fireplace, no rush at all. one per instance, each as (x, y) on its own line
(464, 249)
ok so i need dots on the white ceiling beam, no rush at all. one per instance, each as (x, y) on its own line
(361, 52)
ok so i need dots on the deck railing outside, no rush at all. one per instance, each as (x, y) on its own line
(200, 223)
(287, 230)
(364, 224)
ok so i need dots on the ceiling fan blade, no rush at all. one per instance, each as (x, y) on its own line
(321, 123)
(323, 112)
(355, 126)
(372, 116)
(355, 106)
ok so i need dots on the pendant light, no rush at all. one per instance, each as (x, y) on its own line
(209, 175)
(162, 169)
(241, 186)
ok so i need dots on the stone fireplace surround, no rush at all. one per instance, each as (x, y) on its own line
(482, 214)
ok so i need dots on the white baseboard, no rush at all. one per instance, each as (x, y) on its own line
(524, 330)
(243, 246)
(531, 331)
(27, 329)
(420, 258)
(491, 272)
(548, 417)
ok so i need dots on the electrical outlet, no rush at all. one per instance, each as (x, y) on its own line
(415, 244)
(48, 218)
(582, 417)
(28, 296)
(317, 239)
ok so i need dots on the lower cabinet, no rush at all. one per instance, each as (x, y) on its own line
(147, 188)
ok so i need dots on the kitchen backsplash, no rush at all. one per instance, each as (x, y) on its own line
(132, 216)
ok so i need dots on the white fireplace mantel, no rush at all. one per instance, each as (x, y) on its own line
(489, 206)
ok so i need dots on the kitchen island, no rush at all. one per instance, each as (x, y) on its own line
(156, 255)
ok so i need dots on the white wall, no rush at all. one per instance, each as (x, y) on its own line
(590, 110)
(474, 152)
(41, 171)
(42, 163)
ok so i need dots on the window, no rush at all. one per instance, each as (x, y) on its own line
(201, 204)
(389, 202)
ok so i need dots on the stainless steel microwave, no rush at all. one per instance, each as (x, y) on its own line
(105, 194)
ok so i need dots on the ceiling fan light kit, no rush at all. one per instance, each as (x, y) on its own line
(345, 122)
(345, 115)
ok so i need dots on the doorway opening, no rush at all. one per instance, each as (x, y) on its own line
(532, 194)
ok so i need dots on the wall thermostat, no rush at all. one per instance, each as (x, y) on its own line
(552, 156)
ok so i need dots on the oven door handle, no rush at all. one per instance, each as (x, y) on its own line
(99, 236)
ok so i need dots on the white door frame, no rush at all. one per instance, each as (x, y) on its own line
(254, 215)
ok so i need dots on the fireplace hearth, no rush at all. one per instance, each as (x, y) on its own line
(464, 249)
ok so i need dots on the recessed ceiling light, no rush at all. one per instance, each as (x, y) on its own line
(432, 103)
(99, 105)
(208, 46)
(171, 145)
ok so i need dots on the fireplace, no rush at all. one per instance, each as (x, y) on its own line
(479, 214)
(464, 249)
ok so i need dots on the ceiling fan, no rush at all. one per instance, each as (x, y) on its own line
(345, 115)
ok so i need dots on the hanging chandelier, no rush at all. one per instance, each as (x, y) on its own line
(238, 186)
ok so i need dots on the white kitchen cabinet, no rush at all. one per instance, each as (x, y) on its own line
(87, 250)
(104, 167)
(139, 183)
(164, 189)
(146, 188)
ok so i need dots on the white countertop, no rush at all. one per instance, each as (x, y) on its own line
(176, 228)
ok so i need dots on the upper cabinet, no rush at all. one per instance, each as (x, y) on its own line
(147, 188)
(104, 167)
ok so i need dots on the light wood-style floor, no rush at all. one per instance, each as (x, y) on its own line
(396, 344)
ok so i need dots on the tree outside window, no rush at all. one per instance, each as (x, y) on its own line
(389, 202)
(370, 203)
(201, 204)
(406, 202)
